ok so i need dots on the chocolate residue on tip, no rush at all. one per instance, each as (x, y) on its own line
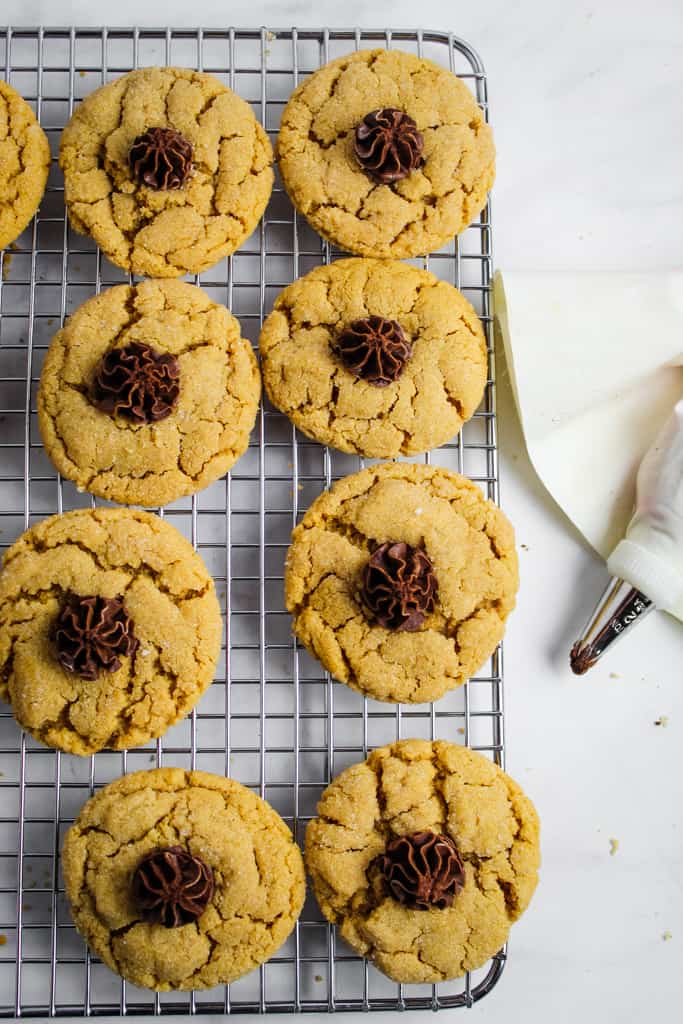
(581, 659)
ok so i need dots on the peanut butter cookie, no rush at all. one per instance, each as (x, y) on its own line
(167, 169)
(423, 856)
(374, 357)
(385, 153)
(24, 164)
(182, 880)
(109, 629)
(148, 393)
(400, 579)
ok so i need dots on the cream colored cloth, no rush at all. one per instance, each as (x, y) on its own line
(596, 364)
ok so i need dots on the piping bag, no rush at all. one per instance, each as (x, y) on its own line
(647, 565)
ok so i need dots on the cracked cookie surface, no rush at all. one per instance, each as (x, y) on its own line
(166, 233)
(412, 216)
(470, 544)
(207, 431)
(168, 594)
(441, 384)
(257, 868)
(24, 164)
(408, 787)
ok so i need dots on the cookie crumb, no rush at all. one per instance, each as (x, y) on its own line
(667, 936)
(3, 940)
(461, 730)
(270, 36)
(82, 73)
(524, 547)
(663, 720)
(7, 260)
(318, 977)
(613, 846)
(614, 675)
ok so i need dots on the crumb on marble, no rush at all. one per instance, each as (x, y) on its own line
(3, 940)
(614, 675)
(663, 720)
(667, 936)
(613, 846)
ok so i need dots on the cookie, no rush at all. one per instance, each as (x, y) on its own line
(182, 880)
(374, 357)
(167, 169)
(400, 579)
(385, 153)
(148, 393)
(423, 856)
(110, 629)
(24, 164)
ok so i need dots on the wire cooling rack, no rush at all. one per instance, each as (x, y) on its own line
(272, 719)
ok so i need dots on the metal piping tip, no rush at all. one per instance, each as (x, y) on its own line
(620, 606)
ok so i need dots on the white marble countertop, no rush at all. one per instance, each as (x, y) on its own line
(585, 103)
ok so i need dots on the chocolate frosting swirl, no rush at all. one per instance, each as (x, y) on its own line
(92, 634)
(138, 382)
(161, 158)
(422, 870)
(399, 586)
(375, 349)
(388, 145)
(172, 887)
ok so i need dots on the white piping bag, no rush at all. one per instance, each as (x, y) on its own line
(647, 565)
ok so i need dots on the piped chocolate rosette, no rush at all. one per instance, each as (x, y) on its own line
(388, 145)
(420, 870)
(399, 586)
(373, 349)
(172, 887)
(137, 382)
(92, 634)
(162, 159)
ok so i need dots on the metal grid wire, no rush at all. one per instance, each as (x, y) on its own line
(272, 719)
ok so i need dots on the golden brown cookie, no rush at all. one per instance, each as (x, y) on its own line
(110, 629)
(167, 169)
(148, 393)
(395, 187)
(374, 357)
(24, 164)
(423, 856)
(242, 878)
(400, 579)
